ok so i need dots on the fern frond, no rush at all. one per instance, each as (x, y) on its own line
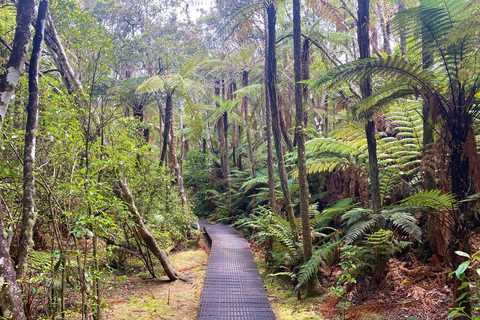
(331, 212)
(354, 215)
(404, 220)
(152, 84)
(431, 199)
(389, 67)
(323, 253)
(359, 229)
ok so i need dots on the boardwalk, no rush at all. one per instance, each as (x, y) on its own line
(233, 288)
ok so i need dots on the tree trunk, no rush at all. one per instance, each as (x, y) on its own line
(161, 115)
(11, 304)
(366, 89)
(271, 84)
(383, 25)
(247, 127)
(403, 38)
(168, 124)
(179, 166)
(268, 121)
(462, 187)
(123, 192)
(16, 62)
(69, 76)
(299, 138)
(28, 201)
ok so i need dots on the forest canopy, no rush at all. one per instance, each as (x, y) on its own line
(324, 130)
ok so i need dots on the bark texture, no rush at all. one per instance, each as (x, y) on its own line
(16, 63)
(28, 201)
(11, 304)
(366, 89)
(268, 120)
(168, 124)
(300, 139)
(271, 84)
(69, 76)
(247, 127)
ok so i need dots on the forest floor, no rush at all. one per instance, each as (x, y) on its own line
(410, 291)
(140, 296)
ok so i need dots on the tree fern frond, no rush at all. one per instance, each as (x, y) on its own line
(389, 67)
(431, 199)
(251, 90)
(154, 83)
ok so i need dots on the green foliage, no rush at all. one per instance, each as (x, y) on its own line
(322, 254)
(469, 273)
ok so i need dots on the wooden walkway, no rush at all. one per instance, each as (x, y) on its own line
(233, 288)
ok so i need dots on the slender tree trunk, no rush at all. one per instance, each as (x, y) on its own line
(11, 74)
(366, 89)
(299, 138)
(271, 84)
(11, 303)
(69, 76)
(28, 201)
(180, 163)
(168, 124)
(161, 115)
(383, 24)
(403, 38)
(247, 127)
(123, 192)
(305, 76)
(268, 121)
(227, 162)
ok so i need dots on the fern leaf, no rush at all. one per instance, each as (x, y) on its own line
(323, 254)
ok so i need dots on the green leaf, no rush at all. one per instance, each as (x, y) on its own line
(461, 268)
(452, 313)
(463, 254)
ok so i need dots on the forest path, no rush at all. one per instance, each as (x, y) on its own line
(233, 288)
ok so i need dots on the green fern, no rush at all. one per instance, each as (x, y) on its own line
(323, 253)
(431, 199)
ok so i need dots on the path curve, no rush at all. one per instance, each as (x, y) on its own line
(233, 288)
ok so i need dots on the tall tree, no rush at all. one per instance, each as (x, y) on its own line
(271, 84)
(300, 139)
(11, 304)
(9, 78)
(363, 23)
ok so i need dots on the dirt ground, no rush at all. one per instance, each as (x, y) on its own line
(147, 298)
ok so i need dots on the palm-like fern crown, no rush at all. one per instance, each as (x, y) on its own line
(435, 30)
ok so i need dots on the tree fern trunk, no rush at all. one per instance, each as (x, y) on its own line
(245, 111)
(268, 121)
(271, 84)
(299, 138)
(168, 124)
